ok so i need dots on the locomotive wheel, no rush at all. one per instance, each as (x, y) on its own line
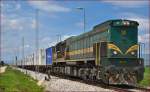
(134, 79)
(105, 78)
(131, 78)
(113, 77)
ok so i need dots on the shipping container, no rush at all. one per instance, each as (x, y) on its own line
(35, 58)
(49, 56)
(42, 57)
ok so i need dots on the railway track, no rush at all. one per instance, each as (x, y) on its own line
(142, 89)
(118, 88)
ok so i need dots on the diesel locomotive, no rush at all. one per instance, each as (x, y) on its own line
(109, 52)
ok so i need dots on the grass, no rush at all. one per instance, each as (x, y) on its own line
(146, 80)
(15, 81)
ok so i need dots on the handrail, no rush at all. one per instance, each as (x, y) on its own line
(141, 49)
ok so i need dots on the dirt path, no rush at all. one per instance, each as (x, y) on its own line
(2, 69)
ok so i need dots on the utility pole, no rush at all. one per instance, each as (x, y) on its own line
(33, 60)
(58, 38)
(0, 35)
(37, 39)
(16, 56)
(84, 19)
(16, 59)
(18, 49)
(22, 62)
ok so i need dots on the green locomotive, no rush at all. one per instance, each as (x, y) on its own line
(109, 52)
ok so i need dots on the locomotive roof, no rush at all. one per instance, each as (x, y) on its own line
(105, 24)
(109, 22)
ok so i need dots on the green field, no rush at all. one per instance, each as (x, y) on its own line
(146, 80)
(15, 81)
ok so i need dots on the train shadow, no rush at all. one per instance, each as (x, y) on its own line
(124, 86)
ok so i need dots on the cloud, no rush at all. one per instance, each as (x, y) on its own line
(33, 23)
(48, 41)
(52, 41)
(17, 23)
(27, 46)
(80, 24)
(2, 16)
(45, 39)
(18, 6)
(145, 38)
(12, 24)
(48, 6)
(142, 20)
(11, 6)
(66, 36)
(127, 3)
(9, 49)
(13, 49)
(143, 23)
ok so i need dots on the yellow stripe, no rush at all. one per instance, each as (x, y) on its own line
(80, 51)
(110, 46)
(132, 48)
(114, 47)
(96, 55)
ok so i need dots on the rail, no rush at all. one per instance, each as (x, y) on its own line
(99, 83)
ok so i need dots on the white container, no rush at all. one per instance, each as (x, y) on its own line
(42, 57)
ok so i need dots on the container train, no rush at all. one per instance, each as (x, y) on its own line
(109, 52)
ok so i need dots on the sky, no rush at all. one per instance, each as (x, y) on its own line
(61, 17)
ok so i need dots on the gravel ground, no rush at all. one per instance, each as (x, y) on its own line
(59, 84)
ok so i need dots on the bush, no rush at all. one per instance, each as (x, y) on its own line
(2, 63)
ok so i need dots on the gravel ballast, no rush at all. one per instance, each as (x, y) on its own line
(59, 84)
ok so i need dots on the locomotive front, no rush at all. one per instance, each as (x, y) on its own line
(123, 64)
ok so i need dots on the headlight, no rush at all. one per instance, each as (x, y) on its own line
(126, 23)
(132, 53)
(115, 52)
